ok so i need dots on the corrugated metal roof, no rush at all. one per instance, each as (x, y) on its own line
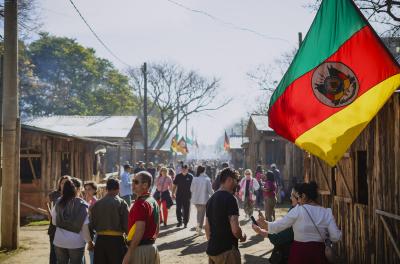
(261, 122)
(236, 141)
(85, 126)
(55, 133)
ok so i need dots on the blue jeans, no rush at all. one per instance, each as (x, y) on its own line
(91, 253)
(70, 256)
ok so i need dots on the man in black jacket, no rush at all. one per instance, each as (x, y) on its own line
(181, 191)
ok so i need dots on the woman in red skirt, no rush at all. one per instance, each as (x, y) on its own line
(162, 194)
(312, 224)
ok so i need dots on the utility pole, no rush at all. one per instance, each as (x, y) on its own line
(10, 186)
(177, 125)
(243, 151)
(186, 131)
(146, 157)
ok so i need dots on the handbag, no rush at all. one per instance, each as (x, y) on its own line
(330, 253)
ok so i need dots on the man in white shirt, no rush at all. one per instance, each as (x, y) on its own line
(201, 191)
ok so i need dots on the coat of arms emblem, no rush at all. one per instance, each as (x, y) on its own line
(334, 84)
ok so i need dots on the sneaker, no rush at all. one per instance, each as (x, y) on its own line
(179, 224)
(185, 225)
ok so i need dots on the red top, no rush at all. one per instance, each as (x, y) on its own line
(145, 209)
(271, 186)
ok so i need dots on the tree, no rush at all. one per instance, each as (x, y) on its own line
(28, 18)
(174, 94)
(386, 12)
(69, 79)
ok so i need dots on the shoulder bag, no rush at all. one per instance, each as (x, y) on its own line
(330, 253)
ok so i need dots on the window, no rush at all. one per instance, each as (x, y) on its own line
(361, 177)
(30, 169)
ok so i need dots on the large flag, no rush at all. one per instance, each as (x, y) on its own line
(339, 79)
(227, 145)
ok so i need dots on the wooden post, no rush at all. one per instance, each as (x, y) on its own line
(119, 158)
(10, 190)
(145, 143)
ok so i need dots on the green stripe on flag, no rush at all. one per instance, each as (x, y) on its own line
(335, 22)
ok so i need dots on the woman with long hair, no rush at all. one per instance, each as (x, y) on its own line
(312, 226)
(70, 216)
(247, 193)
(201, 189)
(52, 199)
(162, 194)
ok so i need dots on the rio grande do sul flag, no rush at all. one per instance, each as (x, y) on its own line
(340, 78)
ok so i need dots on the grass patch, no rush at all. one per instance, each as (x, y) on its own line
(39, 223)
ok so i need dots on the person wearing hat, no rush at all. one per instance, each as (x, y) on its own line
(126, 185)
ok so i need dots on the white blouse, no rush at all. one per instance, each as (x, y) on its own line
(303, 228)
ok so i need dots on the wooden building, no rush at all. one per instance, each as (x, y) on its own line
(265, 147)
(364, 190)
(236, 151)
(125, 131)
(46, 155)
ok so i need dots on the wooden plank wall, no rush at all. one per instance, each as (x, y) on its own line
(51, 149)
(364, 238)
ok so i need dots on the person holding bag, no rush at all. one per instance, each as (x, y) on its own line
(162, 194)
(248, 187)
(313, 227)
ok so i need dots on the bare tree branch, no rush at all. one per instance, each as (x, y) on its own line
(175, 92)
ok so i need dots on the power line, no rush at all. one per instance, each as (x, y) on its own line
(97, 36)
(227, 23)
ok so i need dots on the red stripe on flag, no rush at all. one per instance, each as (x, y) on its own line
(298, 110)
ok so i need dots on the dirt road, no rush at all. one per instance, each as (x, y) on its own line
(176, 245)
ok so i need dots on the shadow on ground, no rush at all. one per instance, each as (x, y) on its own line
(166, 231)
(250, 259)
(252, 241)
(188, 245)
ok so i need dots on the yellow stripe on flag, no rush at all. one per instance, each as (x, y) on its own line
(330, 139)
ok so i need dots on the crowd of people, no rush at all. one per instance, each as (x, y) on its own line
(122, 226)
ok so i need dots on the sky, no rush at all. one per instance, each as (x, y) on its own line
(140, 31)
